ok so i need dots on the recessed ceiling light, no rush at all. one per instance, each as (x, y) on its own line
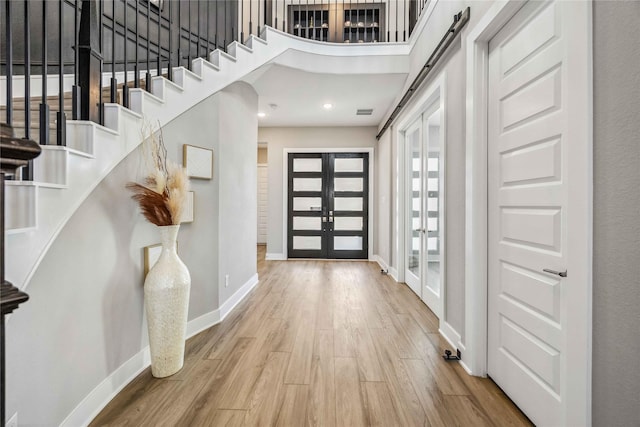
(261, 114)
(328, 106)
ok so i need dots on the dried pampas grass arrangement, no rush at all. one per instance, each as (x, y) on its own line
(164, 192)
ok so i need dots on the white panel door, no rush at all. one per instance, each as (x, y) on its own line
(262, 203)
(535, 317)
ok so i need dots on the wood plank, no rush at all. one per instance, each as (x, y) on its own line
(427, 390)
(379, 405)
(293, 411)
(228, 418)
(268, 392)
(350, 409)
(322, 391)
(465, 412)
(299, 369)
(203, 409)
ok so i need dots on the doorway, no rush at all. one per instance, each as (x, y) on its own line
(424, 201)
(528, 206)
(328, 203)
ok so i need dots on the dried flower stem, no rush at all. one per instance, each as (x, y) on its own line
(162, 197)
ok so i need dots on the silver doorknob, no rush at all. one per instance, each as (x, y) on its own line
(557, 273)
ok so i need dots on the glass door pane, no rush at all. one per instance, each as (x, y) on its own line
(413, 143)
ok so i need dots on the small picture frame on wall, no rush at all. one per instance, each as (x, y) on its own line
(198, 161)
(188, 212)
(151, 255)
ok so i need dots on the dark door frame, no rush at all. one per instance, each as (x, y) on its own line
(368, 204)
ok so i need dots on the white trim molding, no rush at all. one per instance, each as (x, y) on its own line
(100, 396)
(274, 257)
(475, 299)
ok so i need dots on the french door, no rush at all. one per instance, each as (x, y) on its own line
(328, 199)
(424, 196)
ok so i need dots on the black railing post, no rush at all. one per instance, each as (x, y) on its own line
(61, 118)
(241, 22)
(90, 62)
(27, 171)
(9, 55)
(179, 34)
(147, 80)
(159, 68)
(189, 43)
(170, 65)
(125, 87)
(114, 80)
(44, 106)
(76, 91)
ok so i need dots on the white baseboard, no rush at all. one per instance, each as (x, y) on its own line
(95, 401)
(203, 322)
(394, 273)
(100, 396)
(238, 296)
(275, 257)
(381, 262)
(455, 340)
(449, 334)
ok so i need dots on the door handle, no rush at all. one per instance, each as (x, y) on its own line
(557, 273)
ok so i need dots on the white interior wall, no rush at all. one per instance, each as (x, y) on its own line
(236, 162)
(301, 137)
(85, 318)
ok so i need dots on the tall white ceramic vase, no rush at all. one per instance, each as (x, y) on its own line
(166, 301)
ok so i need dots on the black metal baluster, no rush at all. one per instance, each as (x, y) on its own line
(258, 17)
(284, 16)
(9, 55)
(136, 72)
(208, 34)
(27, 171)
(241, 21)
(159, 64)
(275, 25)
(404, 22)
(125, 87)
(114, 81)
(170, 65)
(250, 17)
(44, 106)
(76, 95)
(101, 102)
(147, 79)
(397, 21)
(224, 45)
(387, 23)
(189, 44)
(199, 33)
(179, 33)
(61, 118)
(215, 37)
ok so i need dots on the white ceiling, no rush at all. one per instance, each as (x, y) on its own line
(300, 96)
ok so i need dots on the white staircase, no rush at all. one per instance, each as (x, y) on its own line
(65, 176)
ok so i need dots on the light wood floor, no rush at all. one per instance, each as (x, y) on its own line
(317, 343)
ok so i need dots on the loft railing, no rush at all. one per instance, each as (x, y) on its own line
(95, 51)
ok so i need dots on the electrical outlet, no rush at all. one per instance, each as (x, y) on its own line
(13, 421)
(226, 280)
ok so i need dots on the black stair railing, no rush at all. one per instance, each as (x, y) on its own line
(133, 40)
